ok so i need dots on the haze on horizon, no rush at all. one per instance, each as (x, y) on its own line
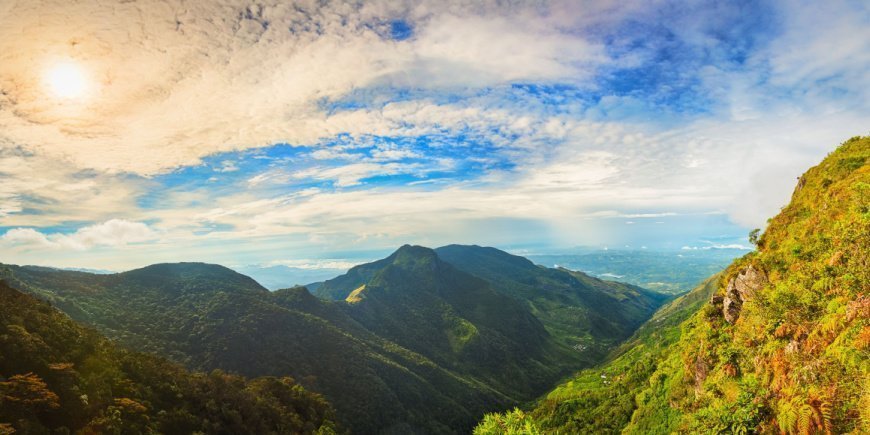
(276, 133)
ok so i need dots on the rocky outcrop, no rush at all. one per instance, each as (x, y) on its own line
(740, 289)
(731, 304)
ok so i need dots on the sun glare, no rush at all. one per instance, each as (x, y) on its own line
(67, 80)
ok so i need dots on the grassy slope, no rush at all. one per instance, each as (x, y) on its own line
(795, 361)
(601, 399)
(581, 312)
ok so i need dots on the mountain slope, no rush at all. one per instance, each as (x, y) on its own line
(57, 376)
(601, 400)
(582, 312)
(783, 346)
(425, 304)
(210, 317)
(417, 346)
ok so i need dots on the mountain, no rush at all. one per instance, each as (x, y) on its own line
(210, 317)
(580, 311)
(781, 346)
(415, 344)
(417, 300)
(58, 377)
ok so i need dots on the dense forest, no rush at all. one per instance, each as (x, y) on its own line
(58, 377)
(781, 345)
(414, 343)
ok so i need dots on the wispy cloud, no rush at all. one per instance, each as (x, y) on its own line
(327, 126)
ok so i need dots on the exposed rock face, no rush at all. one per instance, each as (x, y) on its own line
(749, 281)
(731, 304)
(740, 289)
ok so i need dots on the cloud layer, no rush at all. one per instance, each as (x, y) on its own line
(334, 125)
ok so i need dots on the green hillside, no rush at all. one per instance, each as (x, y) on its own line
(58, 377)
(782, 346)
(457, 320)
(209, 317)
(584, 313)
(417, 346)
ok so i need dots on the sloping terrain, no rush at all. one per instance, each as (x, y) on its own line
(57, 377)
(209, 317)
(582, 312)
(782, 346)
(417, 345)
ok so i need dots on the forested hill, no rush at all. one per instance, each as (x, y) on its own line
(415, 343)
(782, 346)
(232, 323)
(579, 310)
(58, 377)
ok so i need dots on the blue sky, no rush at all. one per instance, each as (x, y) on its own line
(310, 134)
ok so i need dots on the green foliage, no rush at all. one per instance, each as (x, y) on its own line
(586, 315)
(789, 362)
(209, 317)
(58, 377)
(423, 346)
(794, 361)
(514, 422)
(753, 236)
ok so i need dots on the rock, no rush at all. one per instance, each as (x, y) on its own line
(740, 289)
(700, 368)
(731, 303)
(748, 281)
(802, 181)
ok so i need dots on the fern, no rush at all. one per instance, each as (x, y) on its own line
(806, 415)
(787, 417)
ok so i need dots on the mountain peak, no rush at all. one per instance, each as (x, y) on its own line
(167, 273)
(414, 251)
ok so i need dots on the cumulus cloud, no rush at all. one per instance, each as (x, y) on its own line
(174, 81)
(112, 233)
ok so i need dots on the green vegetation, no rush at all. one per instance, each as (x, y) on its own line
(601, 399)
(782, 346)
(209, 317)
(585, 315)
(418, 346)
(457, 320)
(57, 377)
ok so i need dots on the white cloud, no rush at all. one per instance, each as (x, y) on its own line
(315, 264)
(26, 237)
(175, 81)
(112, 233)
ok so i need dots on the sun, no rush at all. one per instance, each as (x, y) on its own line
(67, 80)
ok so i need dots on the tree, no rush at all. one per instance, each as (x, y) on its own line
(28, 392)
(753, 236)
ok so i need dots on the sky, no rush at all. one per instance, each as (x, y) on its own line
(314, 133)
